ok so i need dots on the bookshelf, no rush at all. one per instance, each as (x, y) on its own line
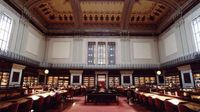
(197, 80)
(58, 80)
(113, 81)
(30, 81)
(63, 81)
(144, 80)
(89, 81)
(52, 80)
(172, 80)
(4, 79)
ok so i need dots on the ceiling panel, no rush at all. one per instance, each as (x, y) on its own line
(71, 16)
(101, 12)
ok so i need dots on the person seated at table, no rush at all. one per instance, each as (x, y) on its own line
(101, 88)
(129, 96)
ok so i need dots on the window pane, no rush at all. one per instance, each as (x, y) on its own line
(91, 52)
(111, 53)
(1, 34)
(5, 30)
(101, 53)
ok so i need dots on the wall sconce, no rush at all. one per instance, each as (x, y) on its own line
(46, 71)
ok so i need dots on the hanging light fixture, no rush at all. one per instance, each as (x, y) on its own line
(158, 72)
(46, 71)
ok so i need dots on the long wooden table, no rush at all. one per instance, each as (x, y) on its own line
(101, 97)
(34, 97)
(174, 101)
(193, 106)
(5, 104)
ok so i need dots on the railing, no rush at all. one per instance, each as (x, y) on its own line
(17, 58)
(182, 60)
(27, 61)
(116, 66)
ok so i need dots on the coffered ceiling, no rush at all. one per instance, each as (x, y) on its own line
(100, 17)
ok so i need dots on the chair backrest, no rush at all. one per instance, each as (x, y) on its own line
(183, 108)
(13, 107)
(140, 98)
(58, 98)
(159, 104)
(10, 108)
(169, 107)
(144, 99)
(129, 94)
(26, 106)
(47, 100)
(72, 92)
(40, 104)
(150, 101)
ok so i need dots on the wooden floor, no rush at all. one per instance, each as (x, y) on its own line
(78, 105)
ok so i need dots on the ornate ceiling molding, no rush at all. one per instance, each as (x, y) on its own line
(74, 16)
(126, 13)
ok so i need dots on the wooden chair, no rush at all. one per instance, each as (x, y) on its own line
(26, 106)
(136, 97)
(159, 104)
(38, 105)
(129, 96)
(144, 100)
(11, 108)
(47, 101)
(169, 107)
(69, 95)
(55, 101)
(151, 103)
(183, 108)
(140, 98)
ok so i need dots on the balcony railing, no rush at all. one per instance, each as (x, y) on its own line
(17, 58)
(116, 66)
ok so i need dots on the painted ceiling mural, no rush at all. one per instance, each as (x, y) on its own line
(55, 17)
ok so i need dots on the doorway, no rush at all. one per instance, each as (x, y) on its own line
(101, 80)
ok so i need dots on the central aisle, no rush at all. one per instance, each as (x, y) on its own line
(79, 106)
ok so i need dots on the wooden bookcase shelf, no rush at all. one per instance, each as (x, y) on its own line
(197, 80)
(113, 81)
(30, 81)
(4, 79)
(172, 81)
(58, 80)
(144, 80)
(89, 81)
